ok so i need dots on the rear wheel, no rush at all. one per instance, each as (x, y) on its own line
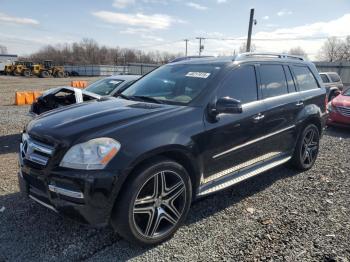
(60, 74)
(26, 73)
(154, 203)
(44, 74)
(307, 147)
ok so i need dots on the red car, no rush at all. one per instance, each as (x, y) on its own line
(339, 110)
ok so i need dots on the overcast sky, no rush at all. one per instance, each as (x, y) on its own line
(26, 26)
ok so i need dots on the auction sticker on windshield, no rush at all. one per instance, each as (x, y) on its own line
(198, 74)
(115, 82)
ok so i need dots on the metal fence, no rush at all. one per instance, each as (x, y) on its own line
(107, 70)
(342, 68)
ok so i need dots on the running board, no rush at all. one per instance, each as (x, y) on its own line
(238, 176)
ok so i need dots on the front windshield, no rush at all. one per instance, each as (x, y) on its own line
(104, 87)
(174, 84)
(346, 92)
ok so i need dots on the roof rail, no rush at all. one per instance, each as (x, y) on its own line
(271, 55)
(182, 58)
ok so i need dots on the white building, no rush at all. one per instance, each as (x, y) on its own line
(6, 59)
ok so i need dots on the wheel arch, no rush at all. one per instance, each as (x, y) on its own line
(177, 153)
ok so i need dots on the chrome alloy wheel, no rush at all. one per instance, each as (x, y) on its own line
(159, 204)
(309, 148)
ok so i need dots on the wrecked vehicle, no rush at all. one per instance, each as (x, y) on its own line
(63, 96)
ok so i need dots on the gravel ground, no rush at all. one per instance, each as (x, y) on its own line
(280, 215)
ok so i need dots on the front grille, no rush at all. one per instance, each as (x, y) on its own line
(35, 151)
(345, 111)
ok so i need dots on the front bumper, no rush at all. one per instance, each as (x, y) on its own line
(336, 119)
(86, 197)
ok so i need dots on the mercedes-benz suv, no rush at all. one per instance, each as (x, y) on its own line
(183, 131)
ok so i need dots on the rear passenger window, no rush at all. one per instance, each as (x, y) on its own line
(305, 78)
(240, 85)
(273, 80)
(334, 77)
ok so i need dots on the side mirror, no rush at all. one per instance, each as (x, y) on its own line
(227, 105)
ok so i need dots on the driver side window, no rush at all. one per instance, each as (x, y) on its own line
(240, 84)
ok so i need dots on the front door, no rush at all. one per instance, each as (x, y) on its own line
(230, 141)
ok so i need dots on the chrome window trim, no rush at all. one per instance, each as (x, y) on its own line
(252, 141)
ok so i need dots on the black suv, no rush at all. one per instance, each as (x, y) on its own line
(183, 131)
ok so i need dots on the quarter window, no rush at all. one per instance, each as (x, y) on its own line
(305, 78)
(240, 85)
(273, 80)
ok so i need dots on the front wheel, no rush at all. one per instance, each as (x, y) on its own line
(307, 147)
(154, 204)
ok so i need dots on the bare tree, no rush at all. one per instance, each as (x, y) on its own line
(298, 51)
(332, 50)
(88, 51)
(3, 49)
(243, 48)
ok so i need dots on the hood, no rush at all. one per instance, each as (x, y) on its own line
(341, 100)
(88, 119)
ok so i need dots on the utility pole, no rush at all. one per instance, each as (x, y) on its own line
(250, 29)
(201, 47)
(186, 41)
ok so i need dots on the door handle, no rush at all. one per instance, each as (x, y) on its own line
(258, 117)
(300, 103)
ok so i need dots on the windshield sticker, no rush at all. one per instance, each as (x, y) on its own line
(114, 82)
(198, 74)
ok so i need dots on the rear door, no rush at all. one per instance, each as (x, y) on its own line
(282, 104)
(309, 88)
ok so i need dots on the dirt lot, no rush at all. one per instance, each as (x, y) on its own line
(280, 215)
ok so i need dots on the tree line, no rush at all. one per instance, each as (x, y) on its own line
(88, 51)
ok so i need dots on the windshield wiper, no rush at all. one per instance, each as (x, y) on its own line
(123, 96)
(146, 98)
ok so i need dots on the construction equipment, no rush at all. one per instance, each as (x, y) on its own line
(19, 68)
(8, 69)
(47, 69)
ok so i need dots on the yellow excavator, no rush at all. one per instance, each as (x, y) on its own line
(47, 69)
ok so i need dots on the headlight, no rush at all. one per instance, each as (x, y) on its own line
(93, 154)
(329, 107)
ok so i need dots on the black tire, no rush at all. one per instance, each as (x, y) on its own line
(44, 74)
(145, 216)
(26, 73)
(15, 73)
(66, 74)
(60, 74)
(307, 147)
